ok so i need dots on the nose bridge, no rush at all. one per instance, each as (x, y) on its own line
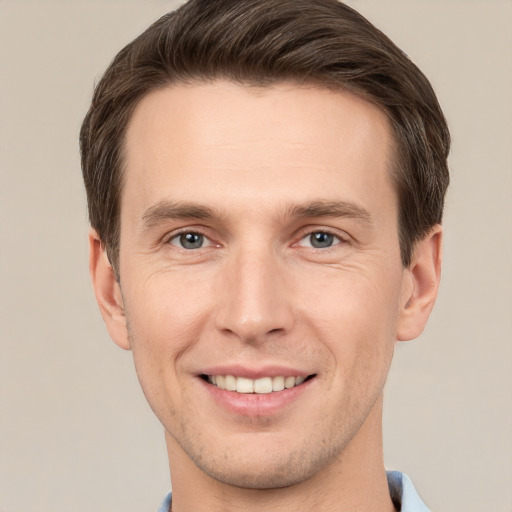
(255, 299)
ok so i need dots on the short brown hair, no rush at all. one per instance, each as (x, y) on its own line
(262, 42)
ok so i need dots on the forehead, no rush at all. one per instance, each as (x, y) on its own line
(281, 143)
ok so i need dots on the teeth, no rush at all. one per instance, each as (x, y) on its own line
(263, 385)
(289, 382)
(258, 386)
(277, 383)
(230, 383)
(244, 385)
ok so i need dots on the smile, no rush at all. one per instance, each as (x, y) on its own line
(262, 385)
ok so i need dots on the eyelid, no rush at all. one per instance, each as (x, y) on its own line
(169, 237)
(304, 233)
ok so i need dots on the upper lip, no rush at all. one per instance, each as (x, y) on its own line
(252, 372)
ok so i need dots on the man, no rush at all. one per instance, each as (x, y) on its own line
(265, 181)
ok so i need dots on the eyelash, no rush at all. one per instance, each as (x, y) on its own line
(176, 236)
(339, 239)
(304, 235)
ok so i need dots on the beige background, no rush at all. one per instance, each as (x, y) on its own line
(75, 431)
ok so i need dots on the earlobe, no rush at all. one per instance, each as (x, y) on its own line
(421, 284)
(107, 291)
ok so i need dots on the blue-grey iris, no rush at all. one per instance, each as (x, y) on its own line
(321, 240)
(191, 240)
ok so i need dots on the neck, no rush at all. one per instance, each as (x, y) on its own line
(354, 481)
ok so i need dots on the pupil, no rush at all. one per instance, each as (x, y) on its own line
(191, 240)
(321, 240)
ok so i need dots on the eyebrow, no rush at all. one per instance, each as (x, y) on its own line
(336, 209)
(170, 210)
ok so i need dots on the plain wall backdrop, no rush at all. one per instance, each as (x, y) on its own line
(76, 432)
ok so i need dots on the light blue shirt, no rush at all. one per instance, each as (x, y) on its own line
(402, 492)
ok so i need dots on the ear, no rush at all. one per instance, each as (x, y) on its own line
(107, 291)
(420, 285)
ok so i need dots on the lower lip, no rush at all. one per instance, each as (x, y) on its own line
(256, 404)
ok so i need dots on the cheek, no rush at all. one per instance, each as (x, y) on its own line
(165, 316)
(356, 316)
(167, 306)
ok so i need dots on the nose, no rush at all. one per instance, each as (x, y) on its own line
(255, 299)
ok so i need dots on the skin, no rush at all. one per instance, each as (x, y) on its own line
(256, 171)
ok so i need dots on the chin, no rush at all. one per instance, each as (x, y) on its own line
(265, 469)
(275, 477)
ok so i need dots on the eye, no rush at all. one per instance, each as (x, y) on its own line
(190, 240)
(320, 240)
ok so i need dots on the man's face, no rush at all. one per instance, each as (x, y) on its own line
(259, 241)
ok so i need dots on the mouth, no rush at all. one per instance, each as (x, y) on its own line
(260, 386)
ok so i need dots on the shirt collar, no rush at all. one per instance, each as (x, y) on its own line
(164, 507)
(403, 493)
